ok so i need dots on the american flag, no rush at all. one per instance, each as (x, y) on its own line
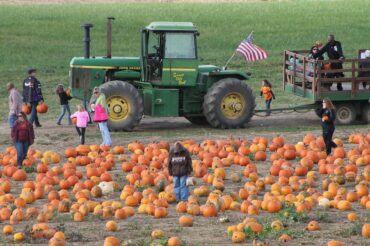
(250, 51)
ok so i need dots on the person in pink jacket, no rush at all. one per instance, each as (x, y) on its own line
(83, 118)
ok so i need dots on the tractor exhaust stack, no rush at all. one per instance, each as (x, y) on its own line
(86, 40)
(109, 37)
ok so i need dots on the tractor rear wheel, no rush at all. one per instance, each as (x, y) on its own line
(366, 113)
(125, 105)
(346, 113)
(197, 120)
(229, 103)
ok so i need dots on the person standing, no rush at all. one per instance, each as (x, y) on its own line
(15, 104)
(365, 64)
(268, 94)
(328, 115)
(180, 166)
(333, 49)
(64, 98)
(23, 137)
(82, 120)
(32, 94)
(101, 115)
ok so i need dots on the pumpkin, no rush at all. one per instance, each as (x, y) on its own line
(160, 212)
(26, 108)
(186, 221)
(238, 237)
(111, 241)
(313, 226)
(106, 188)
(284, 238)
(19, 175)
(42, 108)
(209, 210)
(7, 230)
(277, 225)
(157, 234)
(273, 206)
(111, 225)
(173, 241)
(344, 205)
(352, 216)
(365, 232)
(335, 243)
(96, 191)
(18, 237)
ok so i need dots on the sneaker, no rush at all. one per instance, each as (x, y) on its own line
(19, 167)
(38, 125)
(58, 124)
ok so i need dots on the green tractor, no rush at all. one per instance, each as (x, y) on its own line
(166, 80)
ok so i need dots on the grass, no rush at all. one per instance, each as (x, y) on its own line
(48, 36)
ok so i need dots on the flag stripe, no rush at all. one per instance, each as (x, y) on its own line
(250, 51)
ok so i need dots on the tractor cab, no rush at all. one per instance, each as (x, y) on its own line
(169, 54)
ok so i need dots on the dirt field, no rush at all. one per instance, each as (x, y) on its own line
(206, 231)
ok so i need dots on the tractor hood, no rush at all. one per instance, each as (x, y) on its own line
(119, 63)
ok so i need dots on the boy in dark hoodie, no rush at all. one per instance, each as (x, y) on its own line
(180, 166)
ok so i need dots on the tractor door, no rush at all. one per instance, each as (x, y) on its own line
(152, 58)
(180, 64)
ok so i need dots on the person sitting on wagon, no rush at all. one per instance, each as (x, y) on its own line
(313, 51)
(334, 51)
(365, 64)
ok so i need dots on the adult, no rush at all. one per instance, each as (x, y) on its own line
(333, 49)
(328, 115)
(101, 116)
(180, 166)
(22, 136)
(32, 94)
(15, 104)
(366, 65)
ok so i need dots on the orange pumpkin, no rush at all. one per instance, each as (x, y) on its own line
(366, 230)
(42, 108)
(26, 108)
(186, 221)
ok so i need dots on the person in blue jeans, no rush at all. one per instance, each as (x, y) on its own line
(180, 167)
(103, 124)
(23, 137)
(64, 106)
(32, 94)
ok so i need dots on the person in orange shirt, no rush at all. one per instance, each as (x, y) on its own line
(268, 94)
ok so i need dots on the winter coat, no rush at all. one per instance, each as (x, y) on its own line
(179, 162)
(64, 98)
(82, 118)
(334, 52)
(22, 131)
(32, 90)
(327, 119)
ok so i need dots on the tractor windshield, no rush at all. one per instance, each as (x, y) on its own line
(180, 45)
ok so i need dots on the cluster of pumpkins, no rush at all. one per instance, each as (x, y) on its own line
(84, 184)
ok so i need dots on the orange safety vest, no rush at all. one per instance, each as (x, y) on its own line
(266, 92)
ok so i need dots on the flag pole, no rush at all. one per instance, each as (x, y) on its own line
(232, 56)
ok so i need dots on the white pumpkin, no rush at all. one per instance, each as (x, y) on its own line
(106, 187)
(324, 202)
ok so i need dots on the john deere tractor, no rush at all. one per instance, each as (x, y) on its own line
(165, 80)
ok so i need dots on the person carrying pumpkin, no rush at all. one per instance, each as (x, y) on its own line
(180, 166)
(32, 94)
(268, 94)
(23, 136)
(328, 114)
(64, 98)
(83, 118)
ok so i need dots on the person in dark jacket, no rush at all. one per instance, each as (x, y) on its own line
(334, 51)
(180, 166)
(365, 64)
(64, 106)
(23, 137)
(32, 94)
(328, 115)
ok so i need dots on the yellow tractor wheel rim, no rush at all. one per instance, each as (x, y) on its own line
(232, 105)
(119, 108)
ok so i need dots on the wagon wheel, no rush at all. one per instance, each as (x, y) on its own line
(229, 103)
(365, 114)
(346, 113)
(125, 105)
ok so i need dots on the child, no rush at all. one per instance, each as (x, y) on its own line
(180, 167)
(328, 116)
(64, 98)
(82, 119)
(267, 94)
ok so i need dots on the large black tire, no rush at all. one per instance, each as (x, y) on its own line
(365, 114)
(125, 105)
(197, 120)
(214, 104)
(346, 113)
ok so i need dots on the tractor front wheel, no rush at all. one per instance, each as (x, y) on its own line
(125, 105)
(229, 103)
